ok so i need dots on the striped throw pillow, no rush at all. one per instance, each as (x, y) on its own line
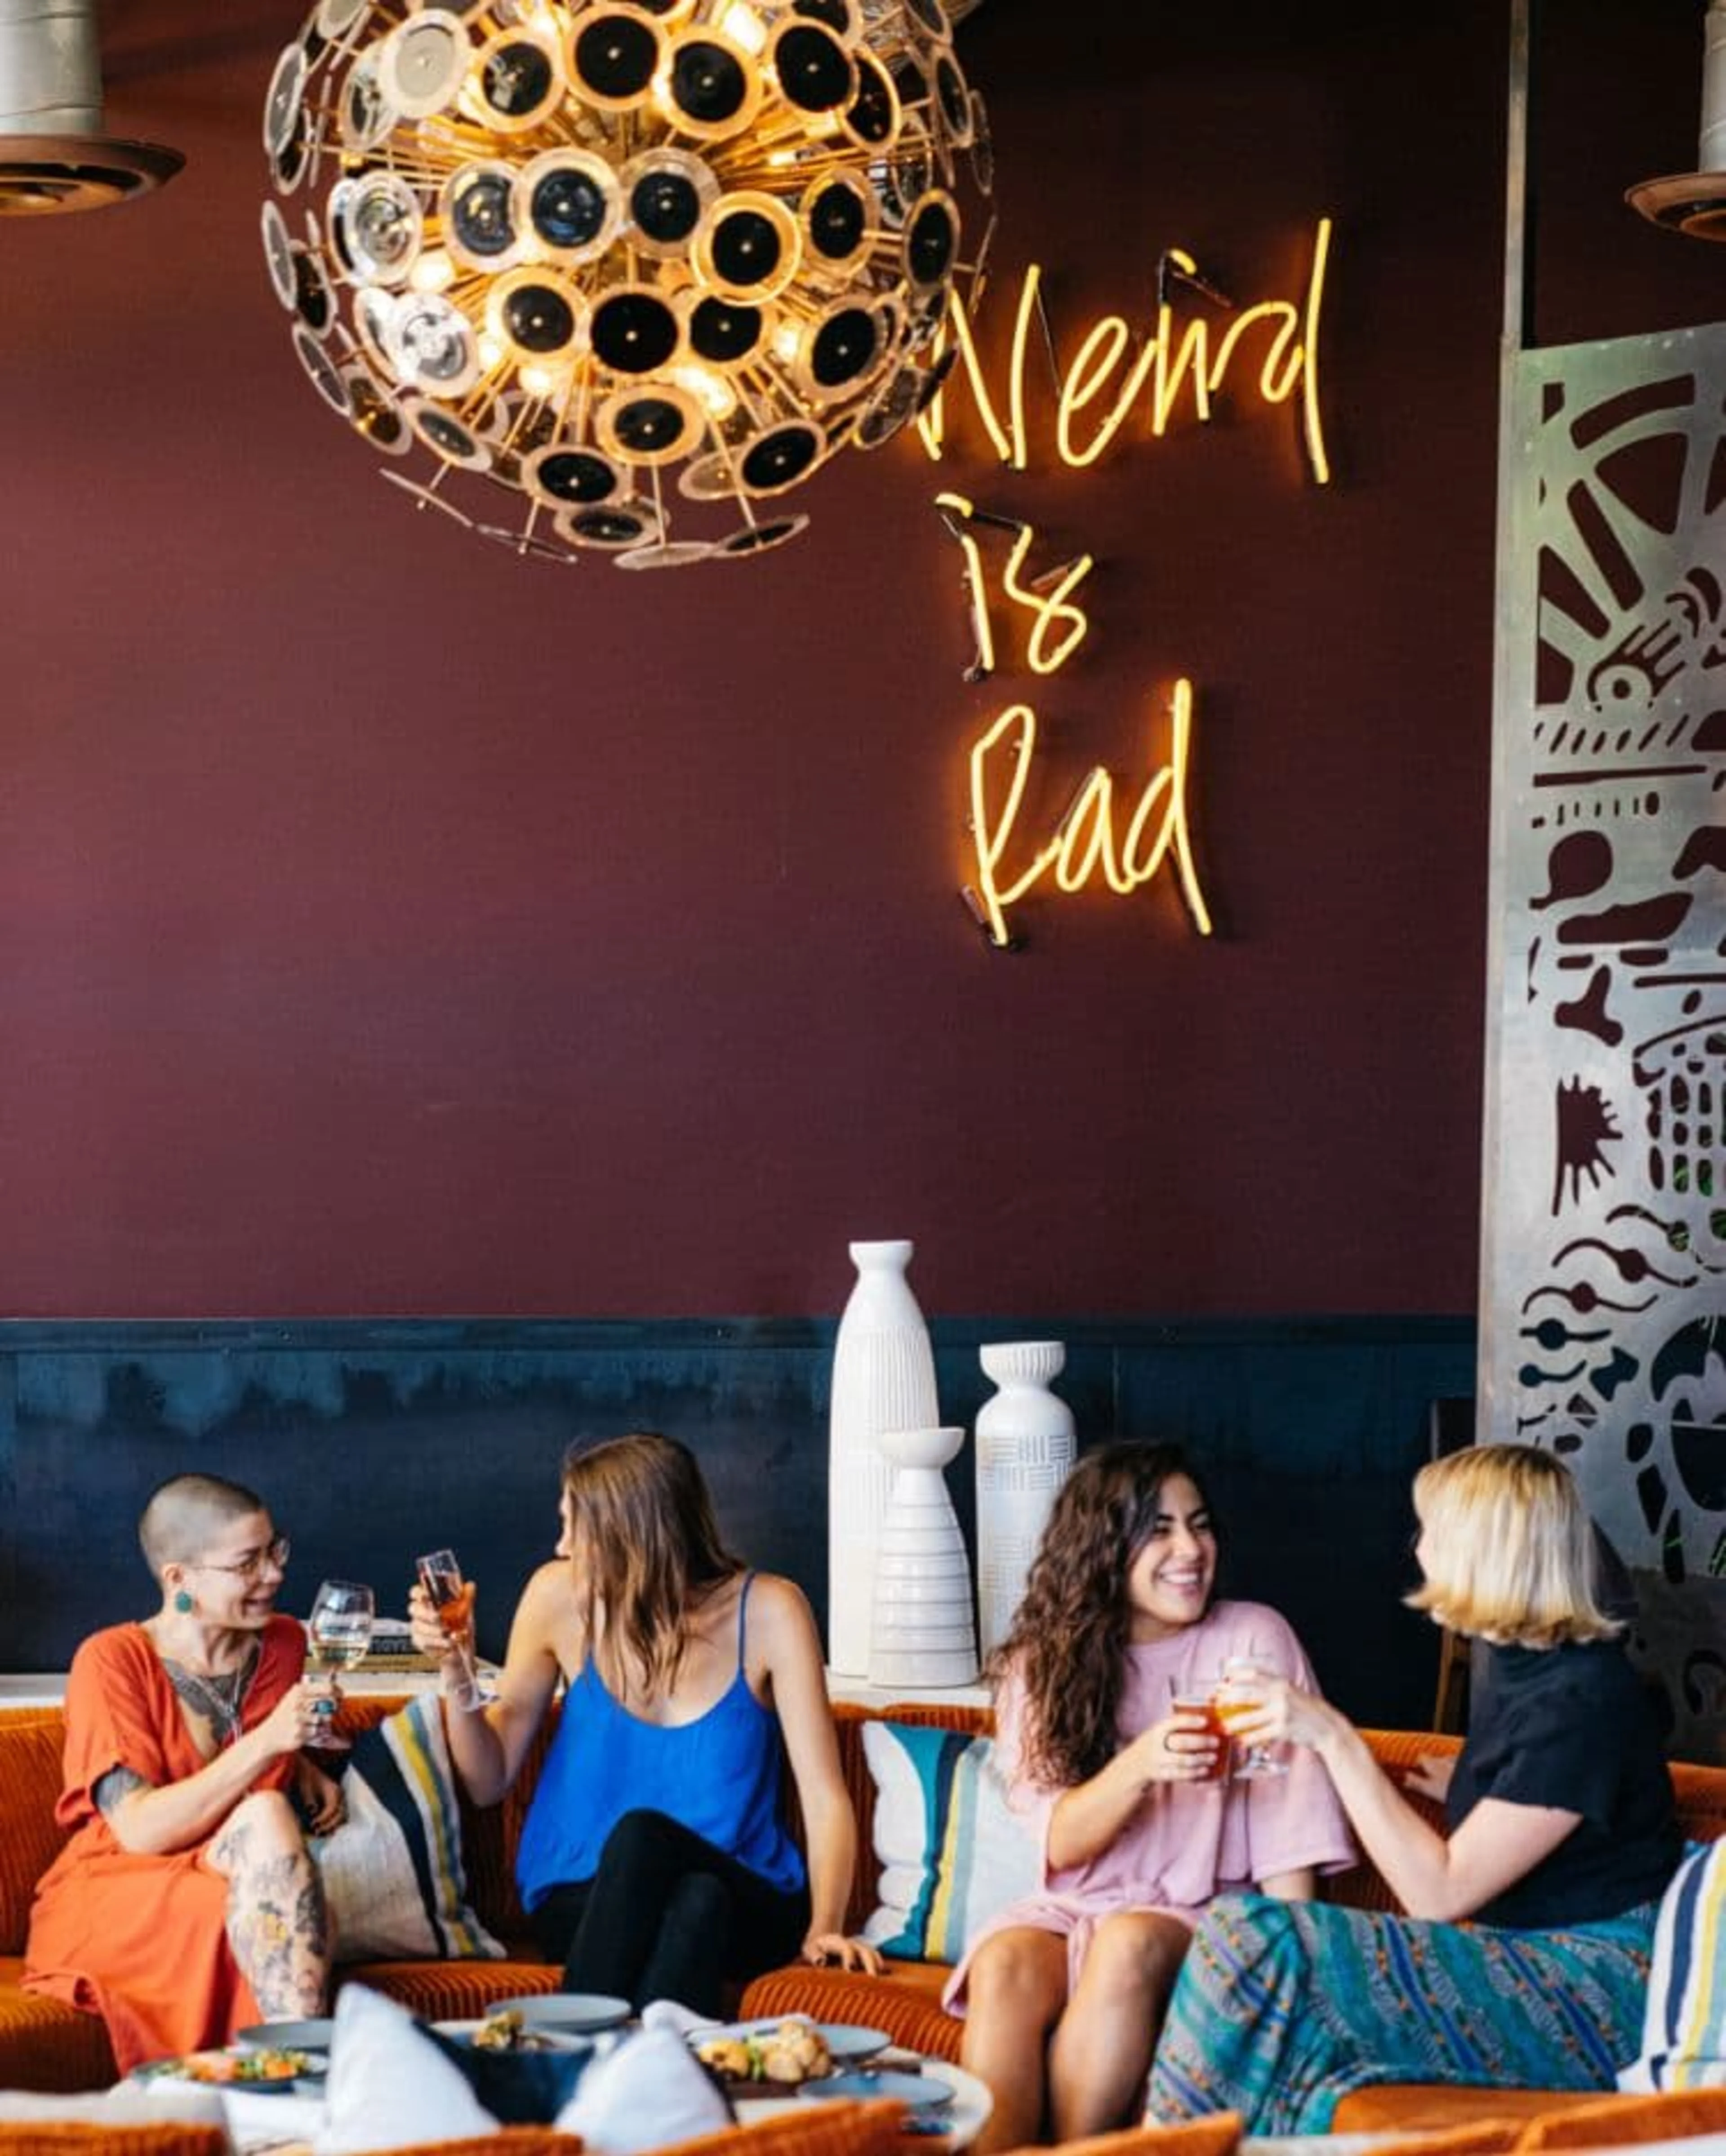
(392, 1871)
(951, 1852)
(1684, 2025)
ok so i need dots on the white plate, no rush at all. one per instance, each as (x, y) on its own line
(192, 2071)
(571, 2013)
(844, 2040)
(313, 2036)
(921, 2092)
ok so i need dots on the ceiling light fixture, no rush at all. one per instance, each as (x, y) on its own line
(54, 154)
(587, 251)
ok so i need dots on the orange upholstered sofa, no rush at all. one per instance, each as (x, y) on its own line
(48, 2046)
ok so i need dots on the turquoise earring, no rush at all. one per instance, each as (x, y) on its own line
(184, 1603)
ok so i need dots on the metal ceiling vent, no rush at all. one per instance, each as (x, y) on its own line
(1695, 202)
(53, 153)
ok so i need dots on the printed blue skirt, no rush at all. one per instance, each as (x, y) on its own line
(1282, 2007)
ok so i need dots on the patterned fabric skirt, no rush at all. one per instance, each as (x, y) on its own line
(1283, 2007)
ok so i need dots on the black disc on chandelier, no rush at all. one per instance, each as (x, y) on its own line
(482, 211)
(666, 205)
(518, 79)
(723, 331)
(314, 302)
(649, 426)
(814, 70)
(567, 206)
(608, 527)
(576, 476)
(954, 94)
(844, 347)
(615, 55)
(839, 15)
(930, 241)
(634, 332)
(448, 436)
(780, 457)
(873, 114)
(539, 319)
(708, 84)
(837, 220)
(759, 538)
(931, 15)
(745, 247)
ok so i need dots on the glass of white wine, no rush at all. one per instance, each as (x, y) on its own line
(338, 1633)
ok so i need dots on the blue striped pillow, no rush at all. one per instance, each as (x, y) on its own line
(951, 1852)
(394, 1873)
(1684, 2024)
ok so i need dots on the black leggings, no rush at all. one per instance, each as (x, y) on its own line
(668, 1916)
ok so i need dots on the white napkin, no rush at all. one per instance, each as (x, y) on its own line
(649, 2091)
(387, 2085)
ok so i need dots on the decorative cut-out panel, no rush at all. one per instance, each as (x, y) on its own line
(1604, 1332)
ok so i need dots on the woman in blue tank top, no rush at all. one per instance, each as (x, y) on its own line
(655, 1861)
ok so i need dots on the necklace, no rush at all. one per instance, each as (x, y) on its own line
(219, 1697)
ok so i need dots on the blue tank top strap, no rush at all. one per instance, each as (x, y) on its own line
(743, 1611)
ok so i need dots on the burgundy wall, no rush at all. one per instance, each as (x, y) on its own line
(389, 925)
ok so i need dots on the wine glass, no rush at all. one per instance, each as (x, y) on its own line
(453, 1599)
(1238, 1697)
(338, 1632)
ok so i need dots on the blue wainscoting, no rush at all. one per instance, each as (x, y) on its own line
(370, 1440)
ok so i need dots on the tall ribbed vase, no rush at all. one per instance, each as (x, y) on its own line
(1025, 1446)
(883, 1379)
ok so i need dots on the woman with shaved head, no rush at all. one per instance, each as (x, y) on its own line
(185, 1904)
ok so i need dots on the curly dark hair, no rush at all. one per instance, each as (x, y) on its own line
(1069, 1634)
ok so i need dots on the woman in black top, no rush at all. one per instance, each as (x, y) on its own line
(1562, 1837)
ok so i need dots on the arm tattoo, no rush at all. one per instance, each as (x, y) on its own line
(114, 1787)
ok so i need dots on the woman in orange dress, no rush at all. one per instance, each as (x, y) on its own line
(186, 1905)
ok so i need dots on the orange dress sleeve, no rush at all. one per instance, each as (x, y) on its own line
(139, 1938)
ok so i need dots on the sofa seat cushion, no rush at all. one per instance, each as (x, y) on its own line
(905, 2002)
(44, 2044)
(450, 1991)
(1431, 2106)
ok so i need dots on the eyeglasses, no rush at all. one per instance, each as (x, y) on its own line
(249, 1567)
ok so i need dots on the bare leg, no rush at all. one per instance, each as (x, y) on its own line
(278, 1924)
(1014, 1994)
(1101, 2056)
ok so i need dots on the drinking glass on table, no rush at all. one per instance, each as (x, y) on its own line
(453, 1599)
(338, 1633)
(1241, 1694)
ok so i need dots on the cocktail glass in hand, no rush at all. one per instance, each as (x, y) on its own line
(338, 1632)
(1241, 1694)
(453, 1599)
(1198, 1697)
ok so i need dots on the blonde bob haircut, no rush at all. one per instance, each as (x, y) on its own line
(1508, 1550)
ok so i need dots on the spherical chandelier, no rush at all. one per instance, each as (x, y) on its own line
(601, 258)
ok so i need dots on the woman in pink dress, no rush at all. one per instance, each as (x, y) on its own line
(1064, 1993)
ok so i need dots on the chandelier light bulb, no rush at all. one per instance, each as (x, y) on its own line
(601, 260)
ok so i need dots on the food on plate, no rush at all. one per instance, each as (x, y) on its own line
(235, 2068)
(509, 2031)
(795, 2052)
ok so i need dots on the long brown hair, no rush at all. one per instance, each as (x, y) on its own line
(1069, 1634)
(649, 1552)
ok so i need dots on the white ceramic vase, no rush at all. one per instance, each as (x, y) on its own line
(1025, 1447)
(883, 1379)
(924, 1632)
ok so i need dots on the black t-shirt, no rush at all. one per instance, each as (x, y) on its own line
(1576, 1728)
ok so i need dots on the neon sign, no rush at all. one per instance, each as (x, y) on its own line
(1094, 398)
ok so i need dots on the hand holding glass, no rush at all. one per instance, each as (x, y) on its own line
(338, 1633)
(1197, 1697)
(1242, 1694)
(453, 1599)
